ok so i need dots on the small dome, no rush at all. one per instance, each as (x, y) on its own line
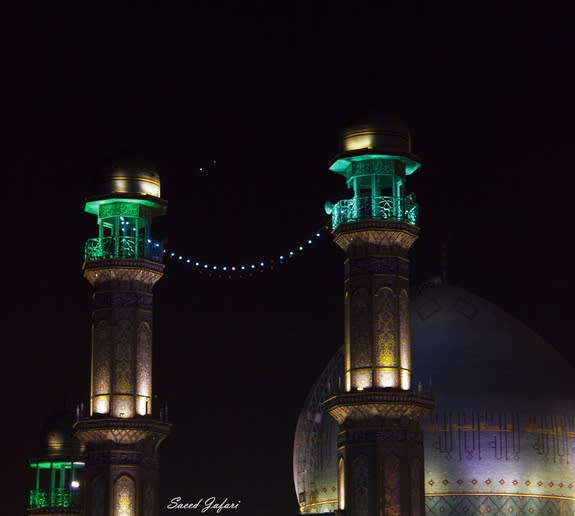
(383, 134)
(56, 436)
(129, 177)
(388, 120)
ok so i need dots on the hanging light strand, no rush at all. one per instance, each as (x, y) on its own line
(247, 269)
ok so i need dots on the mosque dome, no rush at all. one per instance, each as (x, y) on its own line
(501, 438)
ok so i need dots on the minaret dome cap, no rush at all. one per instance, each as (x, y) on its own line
(375, 136)
(385, 134)
(56, 436)
(130, 177)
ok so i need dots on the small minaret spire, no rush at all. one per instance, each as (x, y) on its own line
(122, 263)
(380, 443)
(444, 262)
(58, 470)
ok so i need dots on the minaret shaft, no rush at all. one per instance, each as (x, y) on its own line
(377, 340)
(383, 468)
(122, 318)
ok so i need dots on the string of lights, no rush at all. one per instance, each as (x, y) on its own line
(246, 269)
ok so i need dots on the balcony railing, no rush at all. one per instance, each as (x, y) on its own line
(130, 247)
(58, 497)
(380, 208)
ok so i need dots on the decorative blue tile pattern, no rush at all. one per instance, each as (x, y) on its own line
(497, 505)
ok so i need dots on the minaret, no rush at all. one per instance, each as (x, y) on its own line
(380, 443)
(122, 264)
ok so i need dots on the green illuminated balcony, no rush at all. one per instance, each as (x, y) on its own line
(122, 247)
(54, 498)
(401, 209)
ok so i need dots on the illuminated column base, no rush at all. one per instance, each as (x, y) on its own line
(121, 473)
(380, 452)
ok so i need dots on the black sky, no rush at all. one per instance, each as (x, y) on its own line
(487, 92)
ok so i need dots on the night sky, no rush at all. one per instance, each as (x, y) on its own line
(240, 109)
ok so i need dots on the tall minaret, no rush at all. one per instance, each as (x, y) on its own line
(122, 264)
(380, 444)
